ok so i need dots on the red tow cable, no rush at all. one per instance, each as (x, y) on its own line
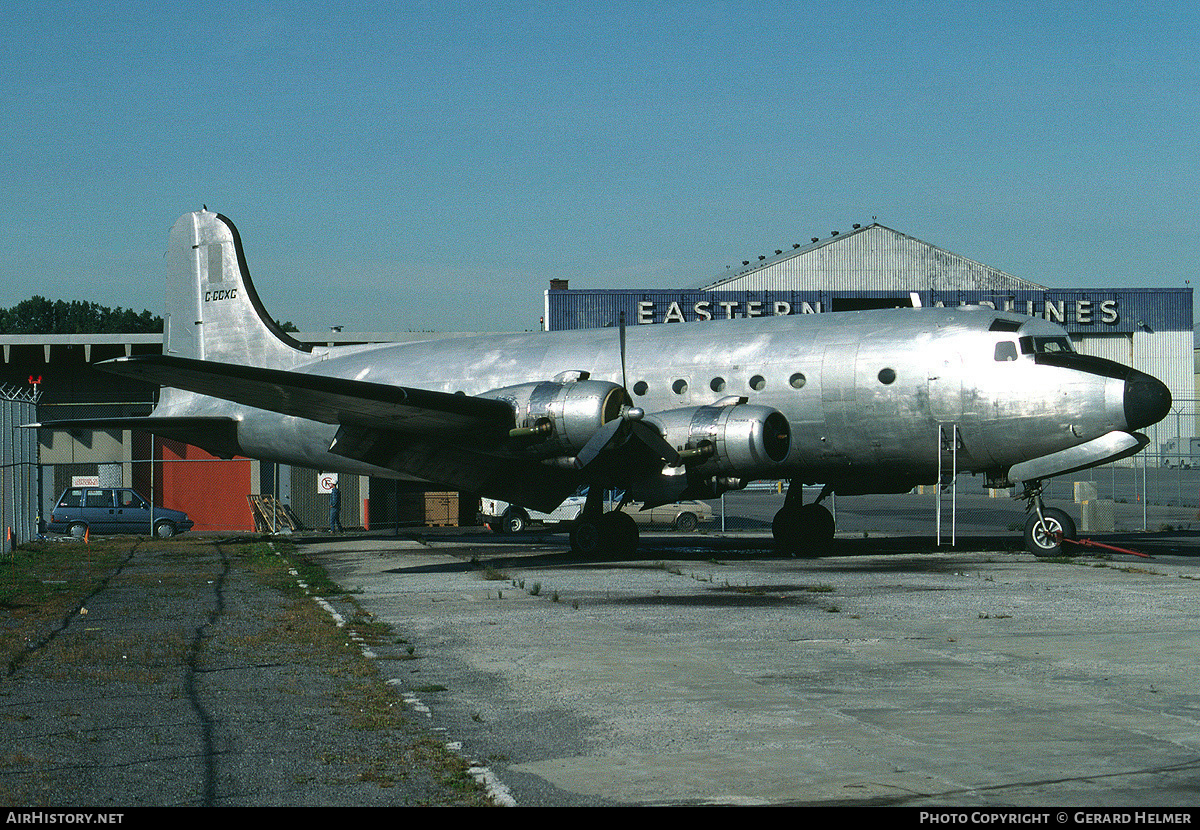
(1088, 543)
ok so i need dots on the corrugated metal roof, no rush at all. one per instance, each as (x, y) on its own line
(872, 257)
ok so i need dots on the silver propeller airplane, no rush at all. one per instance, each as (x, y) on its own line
(852, 401)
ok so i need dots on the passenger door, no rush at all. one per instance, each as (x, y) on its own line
(133, 513)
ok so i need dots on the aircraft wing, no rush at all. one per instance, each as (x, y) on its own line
(326, 399)
(449, 439)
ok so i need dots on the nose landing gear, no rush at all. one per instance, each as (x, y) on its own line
(1047, 527)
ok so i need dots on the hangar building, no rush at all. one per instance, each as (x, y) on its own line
(878, 267)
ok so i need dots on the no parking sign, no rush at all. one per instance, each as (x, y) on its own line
(326, 482)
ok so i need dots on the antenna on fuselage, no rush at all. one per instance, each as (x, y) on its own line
(624, 380)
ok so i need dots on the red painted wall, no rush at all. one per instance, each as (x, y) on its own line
(210, 490)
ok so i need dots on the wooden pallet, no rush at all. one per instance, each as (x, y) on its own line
(270, 515)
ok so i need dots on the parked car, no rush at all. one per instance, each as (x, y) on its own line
(503, 517)
(112, 510)
(683, 516)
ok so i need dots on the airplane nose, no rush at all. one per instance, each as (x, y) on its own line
(1147, 400)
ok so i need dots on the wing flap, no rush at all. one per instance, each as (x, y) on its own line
(329, 400)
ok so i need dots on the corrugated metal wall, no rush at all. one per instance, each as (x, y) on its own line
(1118, 347)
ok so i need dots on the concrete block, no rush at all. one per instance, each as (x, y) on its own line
(1085, 491)
(1097, 516)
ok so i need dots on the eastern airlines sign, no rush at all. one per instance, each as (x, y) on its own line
(1079, 310)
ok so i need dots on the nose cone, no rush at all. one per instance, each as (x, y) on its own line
(1147, 400)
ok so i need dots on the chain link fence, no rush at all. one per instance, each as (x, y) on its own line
(1156, 490)
(18, 457)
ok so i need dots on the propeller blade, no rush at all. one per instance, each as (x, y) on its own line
(596, 444)
(617, 431)
(653, 439)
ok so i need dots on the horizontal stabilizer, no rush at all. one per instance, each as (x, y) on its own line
(326, 399)
(218, 435)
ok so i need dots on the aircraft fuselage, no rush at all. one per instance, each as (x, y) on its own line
(863, 392)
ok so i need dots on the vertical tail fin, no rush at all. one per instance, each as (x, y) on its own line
(213, 311)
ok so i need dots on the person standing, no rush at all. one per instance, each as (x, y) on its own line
(335, 509)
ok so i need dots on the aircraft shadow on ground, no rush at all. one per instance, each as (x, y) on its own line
(476, 550)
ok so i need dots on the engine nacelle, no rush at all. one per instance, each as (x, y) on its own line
(731, 441)
(562, 416)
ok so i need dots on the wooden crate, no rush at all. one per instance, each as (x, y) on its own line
(441, 509)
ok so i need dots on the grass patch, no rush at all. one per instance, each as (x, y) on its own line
(47, 636)
(43, 583)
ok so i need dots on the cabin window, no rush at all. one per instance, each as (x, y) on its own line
(1006, 350)
(679, 386)
(757, 383)
(717, 385)
(641, 388)
(887, 376)
(797, 381)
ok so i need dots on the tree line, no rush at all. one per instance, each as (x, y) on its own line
(37, 315)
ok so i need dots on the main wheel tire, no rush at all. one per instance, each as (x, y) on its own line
(585, 538)
(1046, 539)
(618, 534)
(803, 531)
(821, 524)
(612, 536)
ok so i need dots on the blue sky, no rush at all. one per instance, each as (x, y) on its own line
(400, 166)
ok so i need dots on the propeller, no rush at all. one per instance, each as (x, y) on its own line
(619, 430)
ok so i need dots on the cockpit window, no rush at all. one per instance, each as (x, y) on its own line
(1006, 350)
(1045, 345)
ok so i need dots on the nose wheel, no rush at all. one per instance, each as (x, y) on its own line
(1046, 527)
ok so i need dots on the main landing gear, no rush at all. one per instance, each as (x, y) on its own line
(802, 529)
(1046, 527)
(612, 535)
